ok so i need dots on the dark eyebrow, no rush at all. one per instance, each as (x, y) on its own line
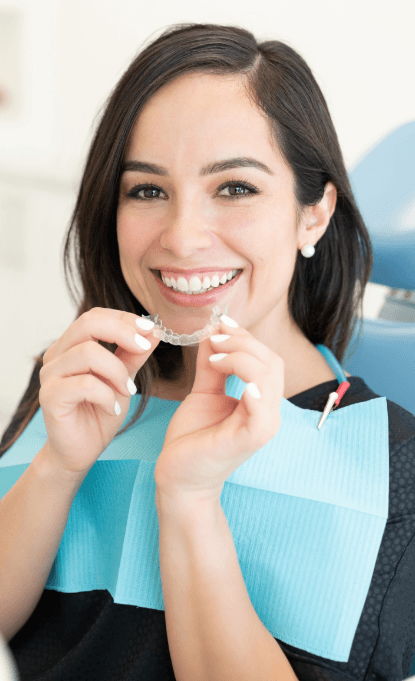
(215, 167)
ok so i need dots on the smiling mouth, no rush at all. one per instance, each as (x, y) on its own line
(202, 290)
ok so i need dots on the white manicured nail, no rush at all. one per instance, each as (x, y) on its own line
(252, 388)
(142, 342)
(219, 337)
(131, 387)
(145, 324)
(229, 321)
(216, 358)
(117, 408)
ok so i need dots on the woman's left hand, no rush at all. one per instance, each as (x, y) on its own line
(212, 434)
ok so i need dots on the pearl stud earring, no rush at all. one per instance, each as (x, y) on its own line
(308, 251)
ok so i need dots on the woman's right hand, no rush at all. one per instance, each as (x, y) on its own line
(81, 381)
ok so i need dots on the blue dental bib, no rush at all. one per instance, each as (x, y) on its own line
(307, 514)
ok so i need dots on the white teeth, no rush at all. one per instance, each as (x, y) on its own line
(195, 285)
(182, 284)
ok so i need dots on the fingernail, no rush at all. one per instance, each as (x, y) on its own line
(219, 338)
(117, 408)
(131, 387)
(229, 321)
(216, 358)
(252, 388)
(142, 342)
(145, 324)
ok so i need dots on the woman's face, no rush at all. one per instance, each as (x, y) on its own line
(188, 220)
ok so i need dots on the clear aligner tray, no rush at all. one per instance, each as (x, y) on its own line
(168, 336)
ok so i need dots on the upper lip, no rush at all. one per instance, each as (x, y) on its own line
(196, 270)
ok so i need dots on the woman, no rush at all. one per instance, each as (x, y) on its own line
(215, 157)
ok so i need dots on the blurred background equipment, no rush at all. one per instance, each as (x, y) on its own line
(384, 186)
(383, 183)
(10, 72)
(384, 356)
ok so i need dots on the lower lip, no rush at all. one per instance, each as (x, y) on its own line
(199, 300)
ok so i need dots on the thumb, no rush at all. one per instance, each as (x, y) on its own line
(207, 378)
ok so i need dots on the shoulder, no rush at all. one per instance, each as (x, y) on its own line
(401, 462)
(401, 421)
(401, 427)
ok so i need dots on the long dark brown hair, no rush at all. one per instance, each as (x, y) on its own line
(325, 295)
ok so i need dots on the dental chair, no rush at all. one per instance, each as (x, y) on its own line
(384, 356)
(383, 184)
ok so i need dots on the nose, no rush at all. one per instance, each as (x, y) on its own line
(185, 234)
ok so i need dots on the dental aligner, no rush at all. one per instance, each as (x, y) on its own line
(168, 336)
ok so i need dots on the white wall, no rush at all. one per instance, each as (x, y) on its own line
(73, 52)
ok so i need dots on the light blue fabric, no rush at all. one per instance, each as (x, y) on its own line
(307, 514)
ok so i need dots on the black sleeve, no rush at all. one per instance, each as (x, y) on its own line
(384, 644)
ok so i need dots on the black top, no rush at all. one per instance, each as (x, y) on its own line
(85, 636)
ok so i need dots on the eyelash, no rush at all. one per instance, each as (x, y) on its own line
(133, 193)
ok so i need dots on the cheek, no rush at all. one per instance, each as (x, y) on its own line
(131, 238)
(244, 236)
(125, 224)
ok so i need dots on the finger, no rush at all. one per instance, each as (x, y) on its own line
(75, 389)
(111, 326)
(264, 412)
(241, 340)
(207, 381)
(207, 378)
(248, 368)
(89, 358)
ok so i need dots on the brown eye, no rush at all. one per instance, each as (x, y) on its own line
(149, 191)
(249, 189)
(149, 188)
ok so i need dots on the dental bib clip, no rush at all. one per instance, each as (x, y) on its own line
(168, 336)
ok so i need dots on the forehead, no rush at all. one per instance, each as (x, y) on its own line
(202, 109)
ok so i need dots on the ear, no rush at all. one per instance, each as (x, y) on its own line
(315, 219)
